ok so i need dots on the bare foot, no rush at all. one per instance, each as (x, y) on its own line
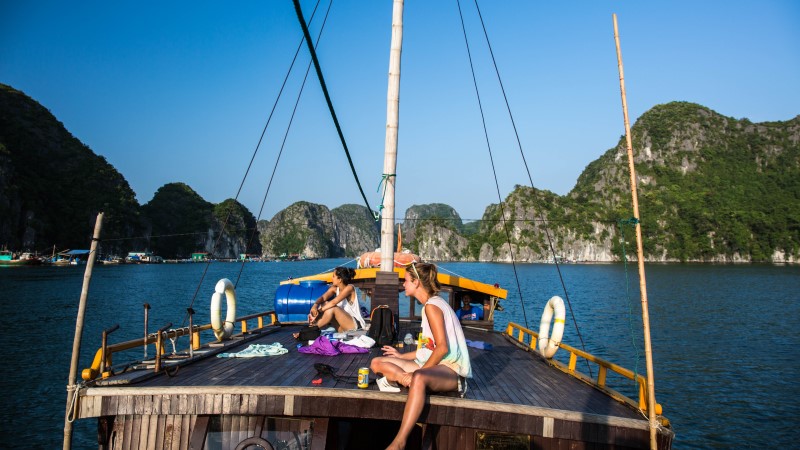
(396, 446)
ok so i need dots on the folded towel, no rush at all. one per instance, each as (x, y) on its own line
(479, 344)
(256, 350)
(362, 341)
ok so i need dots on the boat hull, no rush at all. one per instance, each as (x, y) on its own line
(231, 418)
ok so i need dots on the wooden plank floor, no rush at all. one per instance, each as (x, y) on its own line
(505, 374)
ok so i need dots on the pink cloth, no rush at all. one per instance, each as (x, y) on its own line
(322, 346)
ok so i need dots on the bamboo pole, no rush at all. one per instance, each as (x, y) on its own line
(390, 150)
(76, 342)
(648, 349)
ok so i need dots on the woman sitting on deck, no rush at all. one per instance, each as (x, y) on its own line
(342, 311)
(441, 365)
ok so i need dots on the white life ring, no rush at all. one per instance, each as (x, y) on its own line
(548, 344)
(223, 331)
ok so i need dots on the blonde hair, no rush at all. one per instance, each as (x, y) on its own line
(427, 274)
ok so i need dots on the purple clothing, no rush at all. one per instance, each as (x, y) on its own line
(322, 346)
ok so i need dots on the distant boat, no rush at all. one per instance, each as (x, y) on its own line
(112, 260)
(8, 258)
(68, 258)
(145, 257)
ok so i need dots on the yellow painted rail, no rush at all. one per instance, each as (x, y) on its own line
(101, 365)
(529, 338)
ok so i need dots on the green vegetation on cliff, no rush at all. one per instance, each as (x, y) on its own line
(711, 188)
(52, 186)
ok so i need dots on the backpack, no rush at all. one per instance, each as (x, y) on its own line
(308, 333)
(383, 328)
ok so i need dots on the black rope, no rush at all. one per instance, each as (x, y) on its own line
(325, 369)
(494, 170)
(288, 126)
(258, 146)
(322, 84)
(530, 180)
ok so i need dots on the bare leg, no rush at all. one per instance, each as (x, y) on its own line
(392, 367)
(438, 379)
(344, 319)
(340, 317)
(323, 318)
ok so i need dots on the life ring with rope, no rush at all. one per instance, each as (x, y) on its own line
(223, 331)
(373, 259)
(548, 343)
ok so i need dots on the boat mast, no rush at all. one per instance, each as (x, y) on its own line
(390, 150)
(648, 349)
(72, 388)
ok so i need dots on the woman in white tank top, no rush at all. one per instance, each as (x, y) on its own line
(440, 367)
(338, 306)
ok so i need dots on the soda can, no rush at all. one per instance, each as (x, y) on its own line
(363, 377)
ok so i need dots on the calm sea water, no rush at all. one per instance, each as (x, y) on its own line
(724, 337)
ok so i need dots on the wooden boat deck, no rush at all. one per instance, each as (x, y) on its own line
(504, 374)
(512, 391)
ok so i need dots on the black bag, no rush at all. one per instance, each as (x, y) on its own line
(383, 328)
(308, 333)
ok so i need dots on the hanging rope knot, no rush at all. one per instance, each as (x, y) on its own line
(632, 221)
(383, 182)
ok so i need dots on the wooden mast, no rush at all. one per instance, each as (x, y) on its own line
(72, 389)
(390, 150)
(386, 285)
(648, 349)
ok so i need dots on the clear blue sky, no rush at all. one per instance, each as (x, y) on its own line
(180, 91)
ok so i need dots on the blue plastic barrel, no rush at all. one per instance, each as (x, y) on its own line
(293, 301)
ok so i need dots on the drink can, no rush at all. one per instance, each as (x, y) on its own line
(363, 377)
(422, 341)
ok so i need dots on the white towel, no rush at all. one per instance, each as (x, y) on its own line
(256, 350)
(362, 341)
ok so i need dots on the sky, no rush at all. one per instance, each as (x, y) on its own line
(180, 91)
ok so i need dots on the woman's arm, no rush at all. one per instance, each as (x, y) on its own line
(320, 302)
(388, 350)
(344, 293)
(436, 322)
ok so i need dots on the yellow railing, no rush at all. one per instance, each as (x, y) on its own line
(101, 365)
(530, 338)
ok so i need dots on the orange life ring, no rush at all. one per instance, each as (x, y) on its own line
(373, 259)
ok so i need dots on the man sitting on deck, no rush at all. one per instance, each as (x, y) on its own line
(468, 312)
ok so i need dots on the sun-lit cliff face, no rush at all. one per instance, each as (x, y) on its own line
(711, 188)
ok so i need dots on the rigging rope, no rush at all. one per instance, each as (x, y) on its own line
(632, 222)
(494, 171)
(322, 84)
(291, 121)
(530, 180)
(258, 145)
